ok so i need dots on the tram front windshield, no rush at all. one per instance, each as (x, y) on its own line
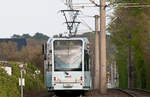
(68, 55)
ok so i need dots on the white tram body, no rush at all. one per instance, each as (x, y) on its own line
(67, 64)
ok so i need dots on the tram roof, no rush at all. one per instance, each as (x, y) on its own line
(69, 38)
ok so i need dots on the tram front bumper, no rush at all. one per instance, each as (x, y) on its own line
(68, 86)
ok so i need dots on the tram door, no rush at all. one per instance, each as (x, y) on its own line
(87, 76)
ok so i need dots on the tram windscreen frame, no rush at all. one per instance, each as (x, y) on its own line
(68, 55)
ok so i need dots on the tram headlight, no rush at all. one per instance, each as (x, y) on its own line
(57, 79)
(78, 80)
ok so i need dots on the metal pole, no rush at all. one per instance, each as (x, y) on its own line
(96, 79)
(103, 88)
(21, 85)
(112, 75)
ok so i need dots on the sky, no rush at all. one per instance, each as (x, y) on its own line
(31, 16)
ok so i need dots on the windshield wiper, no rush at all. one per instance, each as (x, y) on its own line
(66, 73)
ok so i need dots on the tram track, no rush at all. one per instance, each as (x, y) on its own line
(134, 92)
(141, 90)
(68, 96)
(116, 92)
(124, 92)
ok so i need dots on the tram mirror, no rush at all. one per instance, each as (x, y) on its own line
(42, 48)
(50, 51)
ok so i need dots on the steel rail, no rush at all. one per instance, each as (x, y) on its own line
(140, 90)
(67, 96)
(124, 91)
(54, 95)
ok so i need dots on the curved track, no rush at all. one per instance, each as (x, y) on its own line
(139, 92)
(67, 96)
(134, 92)
(124, 92)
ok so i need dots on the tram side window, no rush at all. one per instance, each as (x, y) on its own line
(49, 65)
(86, 60)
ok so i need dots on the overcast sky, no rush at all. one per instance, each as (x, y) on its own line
(31, 16)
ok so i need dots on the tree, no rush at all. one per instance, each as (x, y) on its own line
(40, 36)
(16, 36)
(26, 36)
(8, 50)
(134, 22)
(36, 36)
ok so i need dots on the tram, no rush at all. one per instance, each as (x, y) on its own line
(67, 64)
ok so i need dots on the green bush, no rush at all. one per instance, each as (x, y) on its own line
(9, 85)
